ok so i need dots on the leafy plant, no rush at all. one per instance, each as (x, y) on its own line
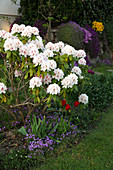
(41, 128)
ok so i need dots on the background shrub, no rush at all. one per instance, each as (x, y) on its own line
(99, 88)
(73, 34)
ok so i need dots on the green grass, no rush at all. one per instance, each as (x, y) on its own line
(103, 69)
(95, 151)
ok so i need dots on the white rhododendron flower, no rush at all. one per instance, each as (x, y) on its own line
(27, 31)
(21, 27)
(2, 33)
(10, 45)
(47, 79)
(82, 61)
(31, 45)
(38, 42)
(83, 98)
(58, 74)
(34, 31)
(18, 43)
(8, 35)
(66, 82)
(35, 81)
(68, 50)
(15, 28)
(52, 64)
(69, 81)
(73, 78)
(76, 70)
(81, 54)
(55, 47)
(45, 65)
(24, 50)
(48, 53)
(53, 89)
(17, 73)
(33, 52)
(37, 60)
(60, 44)
(3, 88)
(49, 46)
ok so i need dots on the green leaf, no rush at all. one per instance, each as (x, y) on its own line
(8, 54)
(33, 37)
(66, 65)
(54, 139)
(70, 57)
(38, 99)
(26, 76)
(31, 72)
(52, 131)
(22, 130)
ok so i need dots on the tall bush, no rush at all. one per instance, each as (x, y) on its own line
(34, 74)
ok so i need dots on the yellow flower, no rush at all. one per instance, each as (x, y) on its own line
(98, 26)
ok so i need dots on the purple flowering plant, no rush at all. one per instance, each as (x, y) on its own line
(43, 134)
(93, 47)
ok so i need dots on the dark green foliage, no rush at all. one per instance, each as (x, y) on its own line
(96, 10)
(109, 31)
(99, 90)
(62, 10)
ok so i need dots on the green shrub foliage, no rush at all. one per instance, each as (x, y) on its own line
(100, 91)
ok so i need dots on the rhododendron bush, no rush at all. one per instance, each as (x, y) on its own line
(36, 73)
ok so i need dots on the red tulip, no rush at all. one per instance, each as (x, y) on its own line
(63, 102)
(76, 103)
(67, 107)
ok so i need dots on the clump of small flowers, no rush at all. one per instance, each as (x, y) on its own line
(38, 146)
(98, 26)
(93, 47)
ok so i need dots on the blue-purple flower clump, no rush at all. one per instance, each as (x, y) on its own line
(93, 47)
(41, 26)
(38, 146)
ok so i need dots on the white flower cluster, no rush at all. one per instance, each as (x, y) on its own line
(69, 81)
(82, 61)
(35, 81)
(3, 88)
(53, 89)
(58, 74)
(12, 44)
(68, 50)
(47, 79)
(2, 33)
(80, 54)
(76, 70)
(25, 31)
(83, 98)
(54, 47)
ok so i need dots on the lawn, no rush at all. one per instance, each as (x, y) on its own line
(104, 69)
(95, 151)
